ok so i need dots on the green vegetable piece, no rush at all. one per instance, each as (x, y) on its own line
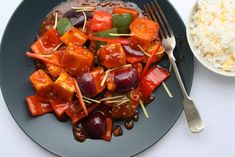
(122, 22)
(104, 34)
(63, 25)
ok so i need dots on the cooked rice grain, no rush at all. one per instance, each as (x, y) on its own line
(213, 32)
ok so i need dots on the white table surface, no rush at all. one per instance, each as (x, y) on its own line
(213, 94)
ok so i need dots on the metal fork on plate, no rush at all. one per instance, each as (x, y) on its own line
(168, 41)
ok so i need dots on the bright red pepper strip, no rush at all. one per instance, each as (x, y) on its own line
(101, 21)
(150, 60)
(41, 58)
(108, 134)
(79, 96)
(152, 79)
(123, 41)
(37, 107)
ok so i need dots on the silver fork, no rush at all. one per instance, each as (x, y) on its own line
(168, 41)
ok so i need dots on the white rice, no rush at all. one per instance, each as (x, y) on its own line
(213, 32)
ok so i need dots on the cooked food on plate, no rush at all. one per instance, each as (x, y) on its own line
(96, 63)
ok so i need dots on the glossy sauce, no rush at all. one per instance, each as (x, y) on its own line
(135, 117)
(64, 10)
(129, 124)
(117, 131)
(79, 133)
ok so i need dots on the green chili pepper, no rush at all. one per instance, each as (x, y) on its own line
(104, 34)
(63, 25)
(122, 22)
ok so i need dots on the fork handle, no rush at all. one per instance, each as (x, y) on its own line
(192, 115)
(173, 63)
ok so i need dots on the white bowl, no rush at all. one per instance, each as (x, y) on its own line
(195, 51)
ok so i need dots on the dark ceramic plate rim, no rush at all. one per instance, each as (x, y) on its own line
(134, 153)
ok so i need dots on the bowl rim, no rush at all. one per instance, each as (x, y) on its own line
(202, 60)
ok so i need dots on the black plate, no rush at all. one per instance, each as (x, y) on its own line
(57, 137)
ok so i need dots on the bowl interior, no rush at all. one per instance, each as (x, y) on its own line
(195, 50)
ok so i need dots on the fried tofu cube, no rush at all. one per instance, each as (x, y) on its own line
(112, 55)
(40, 80)
(46, 43)
(77, 59)
(52, 69)
(42, 84)
(145, 31)
(63, 87)
(75, 36)
(37, 107)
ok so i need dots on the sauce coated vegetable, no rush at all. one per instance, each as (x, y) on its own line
(95, 65)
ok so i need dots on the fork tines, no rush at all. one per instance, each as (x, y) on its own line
(155, 13)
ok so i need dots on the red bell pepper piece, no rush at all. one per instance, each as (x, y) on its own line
(46, 43)
(123, 41)
(108, 134)
(101, 21)
(59, 108)
(37, 107)
(152, 79)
